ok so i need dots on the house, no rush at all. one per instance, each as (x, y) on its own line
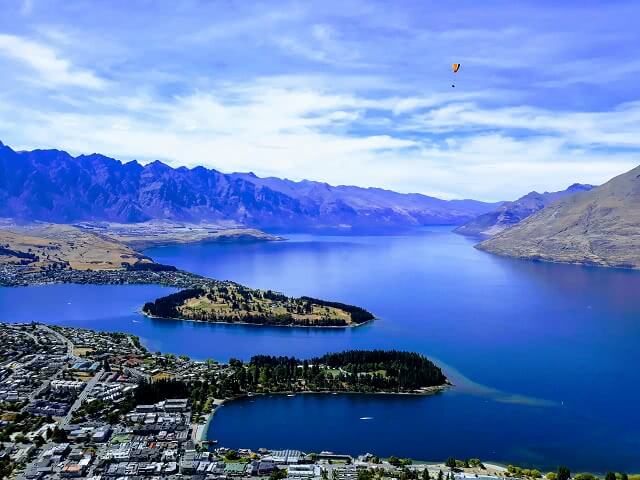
(235, 469)
(303, 471)
(261, 468)
(285, 457)
(176, 405)
(101, 435)
(72, 470)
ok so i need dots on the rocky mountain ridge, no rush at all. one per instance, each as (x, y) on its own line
(510, 213)
(54, 186)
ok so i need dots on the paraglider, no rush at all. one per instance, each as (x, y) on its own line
(455, 67)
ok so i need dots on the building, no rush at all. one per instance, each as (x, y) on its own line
(67, 385)
(303, 471)
(285, 457)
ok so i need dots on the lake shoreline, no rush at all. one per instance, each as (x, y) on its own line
(16, 276)
(436, 295)
(423, 392)
(149, 244)
(13, 276)
(248, 324)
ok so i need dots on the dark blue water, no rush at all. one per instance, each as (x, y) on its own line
(545, 355)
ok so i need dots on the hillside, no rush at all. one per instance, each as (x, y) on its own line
(596, 227)
(226, 302)
(53, 186)
(50, 246)
(511, 213)
(159, 232)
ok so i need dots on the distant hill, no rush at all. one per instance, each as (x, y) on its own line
(511, 213)
(596, 227)
(51, 185)
(38, 247)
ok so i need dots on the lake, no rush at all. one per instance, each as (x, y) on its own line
(544, 356)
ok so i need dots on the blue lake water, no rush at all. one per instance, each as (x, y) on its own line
(544, 356)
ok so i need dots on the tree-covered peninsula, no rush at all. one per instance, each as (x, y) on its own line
(227, 302)
(362, 371)
(349, 371)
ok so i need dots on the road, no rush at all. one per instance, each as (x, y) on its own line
(63, 339)
(87, 388)
(81, 398)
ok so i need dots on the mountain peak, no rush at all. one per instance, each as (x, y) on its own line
(157, 164)
(579, 187)
(511, 213)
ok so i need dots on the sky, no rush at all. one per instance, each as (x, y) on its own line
(342, 91)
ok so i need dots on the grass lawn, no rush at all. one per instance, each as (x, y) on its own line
(241, 303)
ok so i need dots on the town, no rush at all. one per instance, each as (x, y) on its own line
(12, 275)
(77, 403)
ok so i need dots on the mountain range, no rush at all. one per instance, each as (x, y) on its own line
(510, 213)
(54, 186)
(596, 227)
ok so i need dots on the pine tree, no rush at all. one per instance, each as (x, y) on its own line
(563, 473)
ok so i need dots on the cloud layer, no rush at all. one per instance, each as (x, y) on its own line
(349, 92)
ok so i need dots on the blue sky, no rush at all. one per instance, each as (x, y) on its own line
(348, 92)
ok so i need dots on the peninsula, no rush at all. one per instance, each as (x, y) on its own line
(40, 246)
(155, 233)
(363, 371)
(104, 392)
(228, 302)
(41, 254)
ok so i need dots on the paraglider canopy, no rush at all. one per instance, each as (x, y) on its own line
(455, 67)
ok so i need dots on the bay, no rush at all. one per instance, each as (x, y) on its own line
(544, 356)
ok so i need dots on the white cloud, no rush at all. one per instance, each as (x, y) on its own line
(322, 43)
(619, 127)
(318, 134)
(53, 70)
(358, 94)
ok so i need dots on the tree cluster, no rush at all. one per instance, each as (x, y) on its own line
(358, 314)
(167, 306)
(354, 370)
(149, 267)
